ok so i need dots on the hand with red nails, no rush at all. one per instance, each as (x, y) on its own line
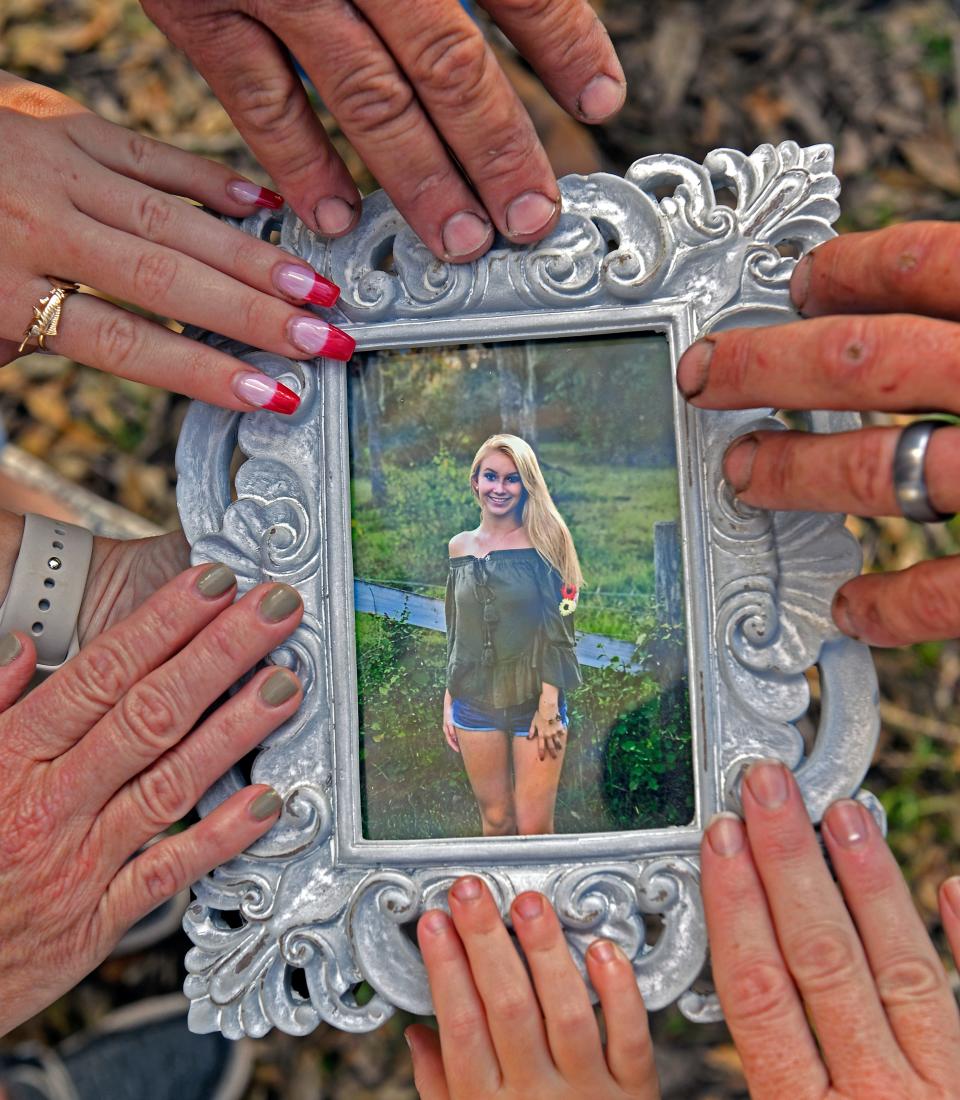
(86, 202)
(418, 92)
(506, 1034)
(830, 992)
(119, 744)
(883, 335)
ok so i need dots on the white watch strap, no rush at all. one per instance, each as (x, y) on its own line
(46, 588)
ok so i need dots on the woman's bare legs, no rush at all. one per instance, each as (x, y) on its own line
(535, 786)
(486, 756)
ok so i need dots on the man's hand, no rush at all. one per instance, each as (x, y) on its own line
(418, 92)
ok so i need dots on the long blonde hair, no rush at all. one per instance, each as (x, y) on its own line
(544, 525)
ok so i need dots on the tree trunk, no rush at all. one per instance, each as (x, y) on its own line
(371, 407)
(516, 380)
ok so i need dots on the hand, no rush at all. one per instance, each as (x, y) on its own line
(503, 1038)
(86, 201)
(895, 356)
(111, 750)
(549, 732)
(789, 947)
(449, 726)
(419, 94)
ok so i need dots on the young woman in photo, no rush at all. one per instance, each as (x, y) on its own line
(511, 593)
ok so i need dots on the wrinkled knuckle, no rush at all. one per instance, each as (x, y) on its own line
(757, 989)
(822, 957)
(141, 151)
(452, 67)
(865, 469)
(512, 156)
(163, 874)
(780, 468)
(460, 1026)
(931, 602)
(909, 980)
(375, 102)
(268, 102)
(733, 360)
(102, 676)
(568, 1022)
(258, 316)
(513, 1006)
(146, 715)
(116, 339)
(154, 215)
(28, 826)
(162, 794)
(154, 273)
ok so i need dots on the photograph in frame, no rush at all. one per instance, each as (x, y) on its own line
(590, 421)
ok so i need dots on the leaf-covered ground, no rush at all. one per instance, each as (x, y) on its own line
(878, 79)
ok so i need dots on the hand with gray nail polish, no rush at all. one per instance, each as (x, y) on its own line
(420, 95)
(118, 745)
(829, 981)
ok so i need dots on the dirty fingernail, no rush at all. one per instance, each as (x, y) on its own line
(334, 215)
(738, 463)
(767, 780)
(265, 805)
(215, 580)
(529, 213)
(602, 97)
(280, 602)
(725, 834)
(800, 283)
(278, 687)
(842, 616)
(10, 649)
(464, 233)
(693, 370)
(466, 889)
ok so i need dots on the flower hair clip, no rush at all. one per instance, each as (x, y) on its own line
(569, 597)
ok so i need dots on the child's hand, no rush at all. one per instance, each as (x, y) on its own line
(84, 201)
(503, 1038)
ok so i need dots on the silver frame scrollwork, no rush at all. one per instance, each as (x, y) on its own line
(655, 250)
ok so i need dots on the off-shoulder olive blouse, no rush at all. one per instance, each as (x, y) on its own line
(505, 633)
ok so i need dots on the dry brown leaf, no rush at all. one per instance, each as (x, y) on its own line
(48, 405)
(934, 160)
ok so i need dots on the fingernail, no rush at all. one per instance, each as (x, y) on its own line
(694, 368)
(264, 392)
(841, 615)
(800, 283)
(529, 213)
(738, 463)
(466, 889)
(301, 282)
(334, 215)
(847, 823)
(280, 602)
(605, 951)
(433, 921)
(465, 233)
(528, 906)
(725, 834)
(278, 687)
(10, 649)
(245, 191)
(215, 580)
(602, 97)
(950, 891)
(767, 781)
(316, 337)
(265, 805)
(408, 1039)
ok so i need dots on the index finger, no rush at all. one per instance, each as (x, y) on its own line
(908, 268)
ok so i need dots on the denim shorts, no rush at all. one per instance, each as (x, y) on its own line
(480, 718)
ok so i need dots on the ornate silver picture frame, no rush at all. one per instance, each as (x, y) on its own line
(314, 922)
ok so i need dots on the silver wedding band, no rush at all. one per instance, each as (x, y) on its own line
(909, 472)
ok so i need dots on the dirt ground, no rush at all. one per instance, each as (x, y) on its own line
(878, 80)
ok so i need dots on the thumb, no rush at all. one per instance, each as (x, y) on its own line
(950, 915)
(18, 658)
(428, 1073)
